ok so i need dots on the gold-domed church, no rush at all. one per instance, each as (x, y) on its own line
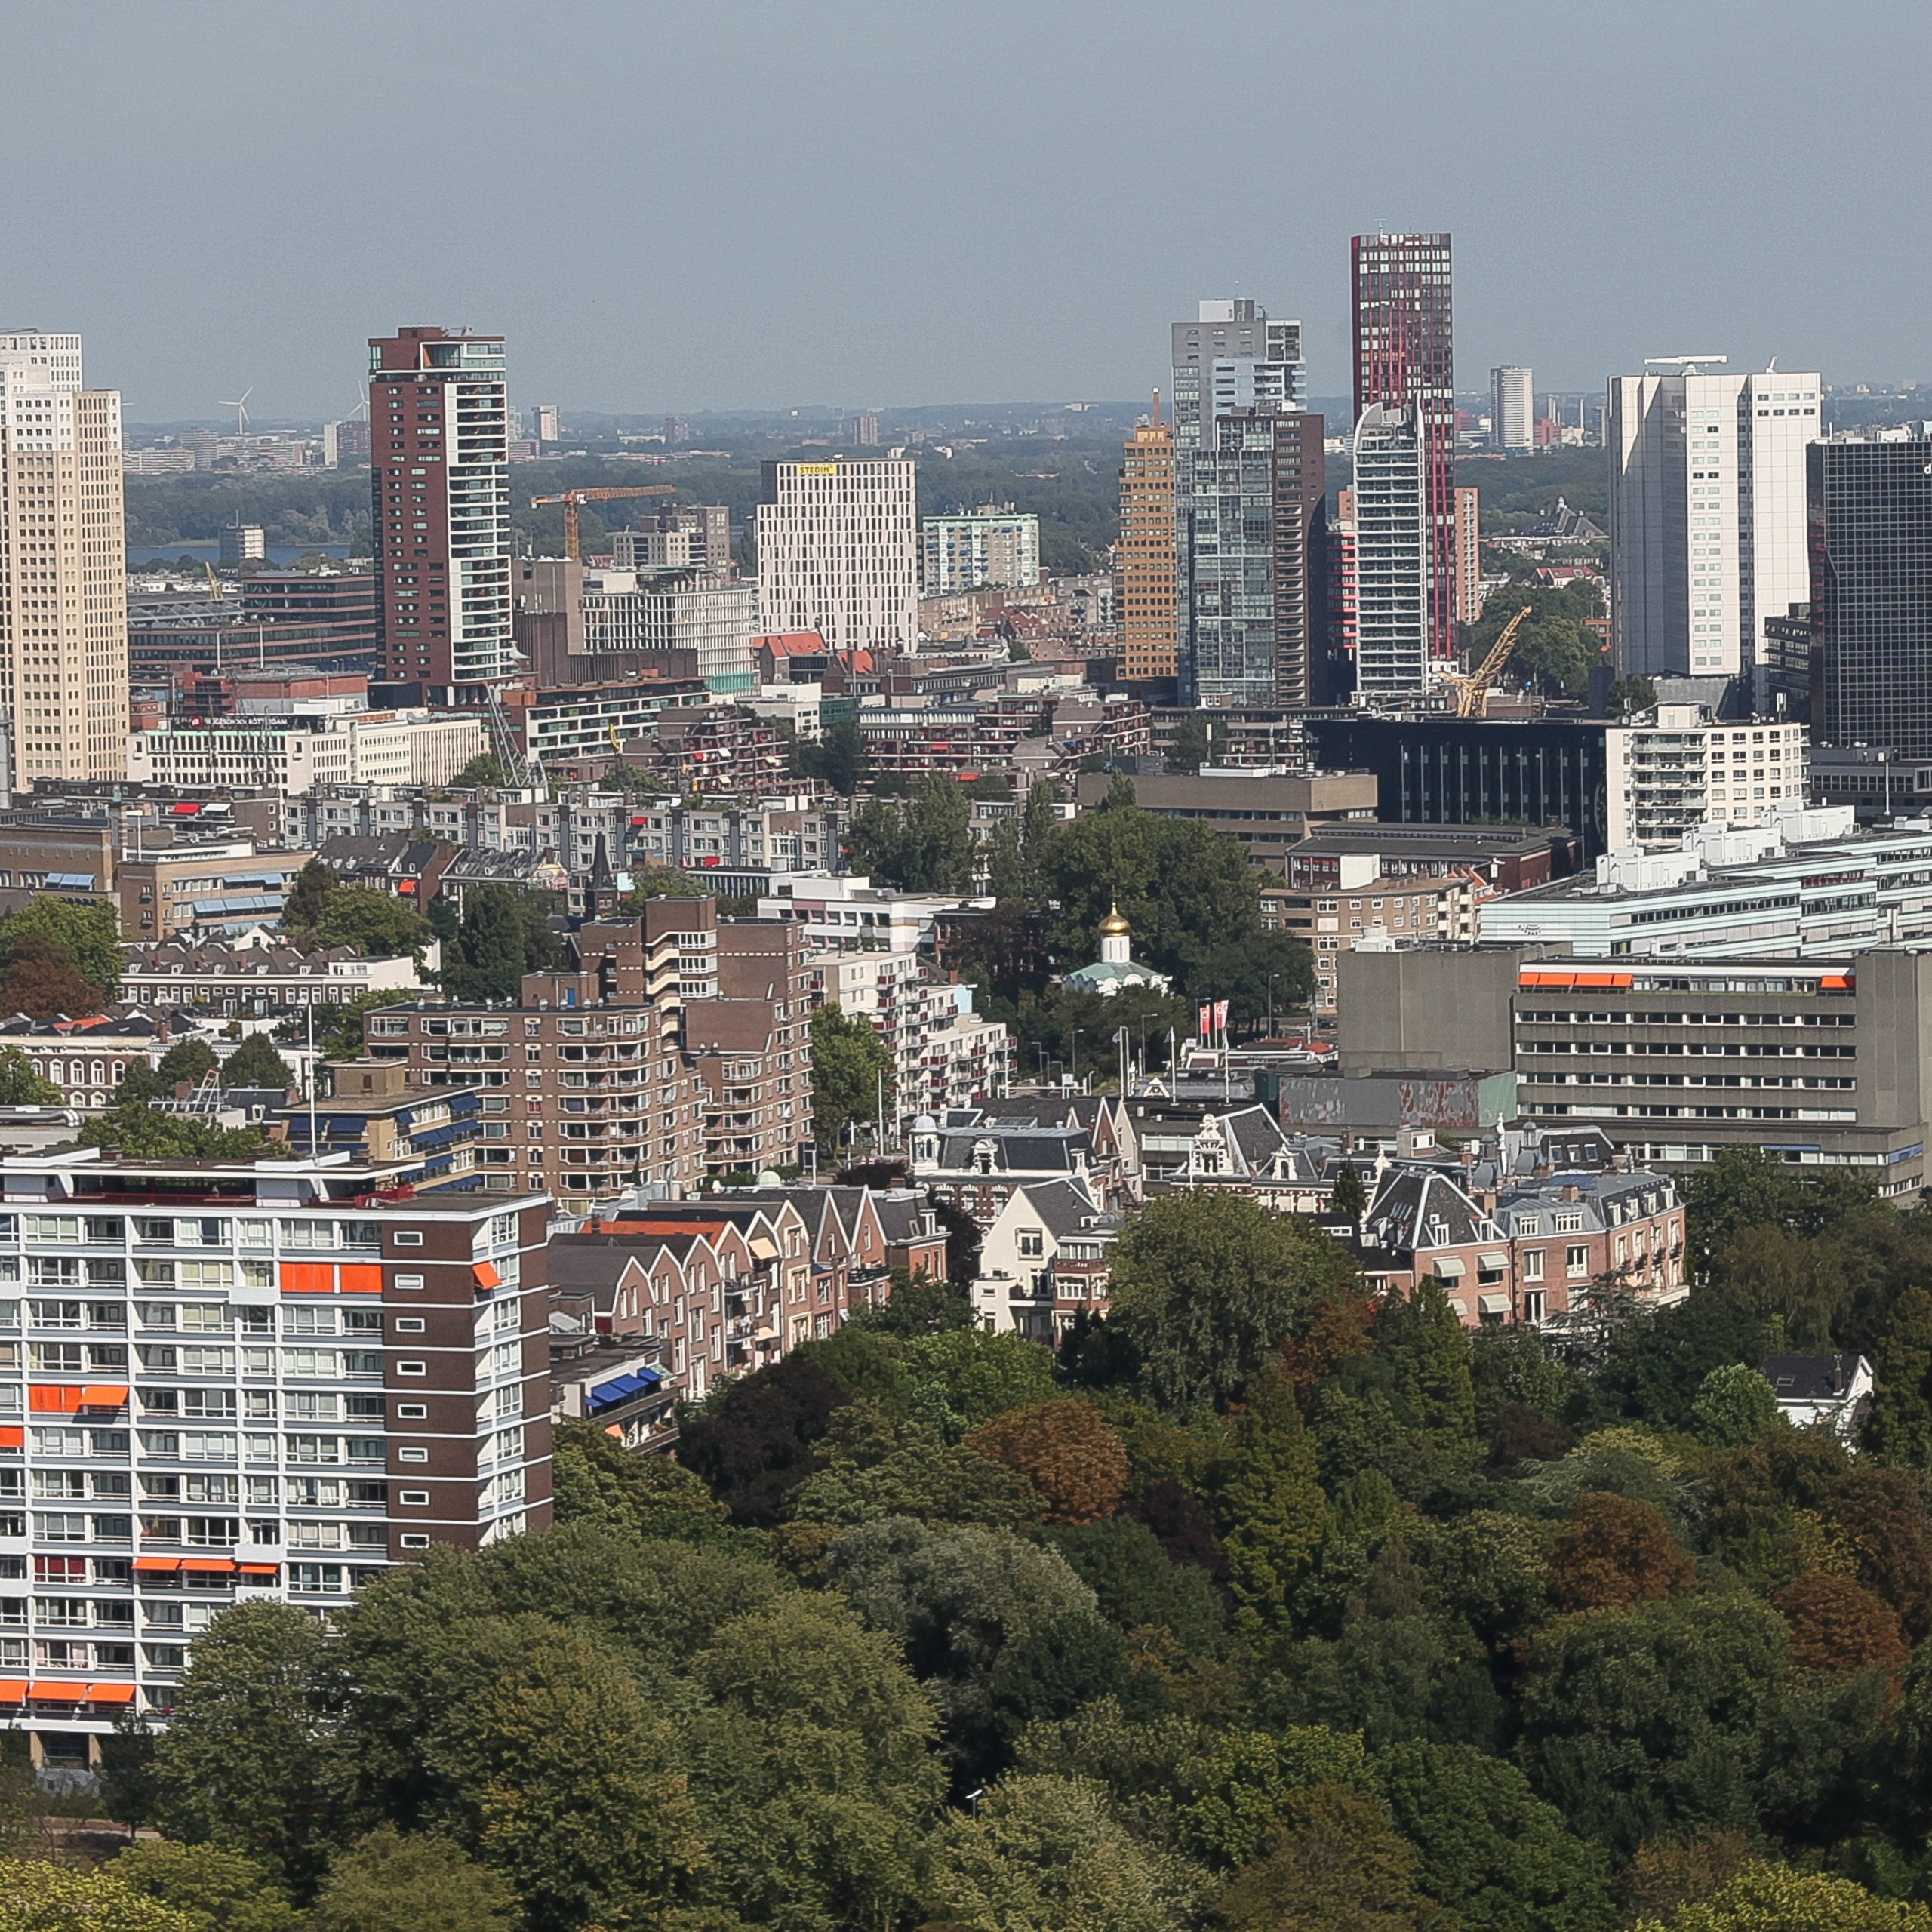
(1116, 967)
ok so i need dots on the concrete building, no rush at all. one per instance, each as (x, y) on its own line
(1681, 768)
(1468, 556)
(677, 536)
(1512, 408)
(1350, 901)
(283, 1378)
(439, 484)
(295, 754)
(1707, 511)
(1394, 653)
(1818, 1062)
(1869, 509)
(1405, 361)
(368, 1111)
(208, 890)
(1044, 1260)
(63, 565)
(243, 543)
(995, 547)
(1232, 357)
(838, 551)
(1268, 812)
(1805, 884)
(1146, 606)
(1252, 549)
(847, 913)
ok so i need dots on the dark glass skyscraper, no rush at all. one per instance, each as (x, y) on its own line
(1403, 336)
(1868, 509)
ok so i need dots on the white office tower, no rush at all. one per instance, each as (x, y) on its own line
(1392, 554)
(1512, 408)
(1706, 515)
(838, 552)
(63, 566)
(1232, 357)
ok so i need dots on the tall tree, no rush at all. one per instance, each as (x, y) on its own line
(924, 844)
(256, 1063)
(302, 910)
(20, 1086)
(1272, 1515)
(1204, 1285)
(848, 1061)
(88, 930)
(1334, 1862)
(245, 1763)
(377, 924)
(1070, 1452)
(1613, 1553)
(387, 1882)
(1900, 1427)
(41, 980)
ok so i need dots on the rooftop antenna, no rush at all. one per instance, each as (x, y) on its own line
(240, 406)
(1157, 409)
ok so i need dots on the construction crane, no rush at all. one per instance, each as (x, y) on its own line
(570, 499)
(1472, 688)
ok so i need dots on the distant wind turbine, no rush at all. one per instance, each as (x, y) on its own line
(240, 406)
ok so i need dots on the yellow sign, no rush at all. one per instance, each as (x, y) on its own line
(818, 469)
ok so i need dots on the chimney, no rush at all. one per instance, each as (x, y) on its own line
(1572, 1192)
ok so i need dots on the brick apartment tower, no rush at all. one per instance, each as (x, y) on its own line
(1404, 344)
(440, 494)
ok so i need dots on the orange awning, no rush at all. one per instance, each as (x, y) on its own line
(153, 1564)
(261, 1569)
(308, 1277)
(104, 1395)
(13, 1690)
(57, 1693)
(53, 1399)
(110, 1694)
(360, 1278)
(486, 1275)
(222, 1565)
(12, 1436)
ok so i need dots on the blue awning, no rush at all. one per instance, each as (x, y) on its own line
(84, 880)
(619, 1388)
(252, 902)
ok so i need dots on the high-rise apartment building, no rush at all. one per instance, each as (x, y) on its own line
(550, 426)
(1468, 556)
(1404, 359)
(1869, 504)
(63, 566)
(1232, 356)
(1394, 655)
(838, 551)
(1145, 608)
(677, 536)
(992, 549)
(1512, 408)
(439, 486)
(1252, 554)
(234, 1382)
(1707, 515)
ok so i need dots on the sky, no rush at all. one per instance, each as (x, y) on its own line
(766, 204)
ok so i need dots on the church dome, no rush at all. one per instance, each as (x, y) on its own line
(1113, 926)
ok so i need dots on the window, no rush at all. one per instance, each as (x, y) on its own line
(1032, 1243)
(414, 1499)
(410, 1324)
(412, 1368)
(412, 1455)
(406, 1283)
(1533, 1265)
(1576, 1261)
(416, 1542)
(409, 1237)
(412, 1411)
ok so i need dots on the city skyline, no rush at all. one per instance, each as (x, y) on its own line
(1647, 273)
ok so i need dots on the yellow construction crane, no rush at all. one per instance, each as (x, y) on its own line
(1472, 688)
(570, 499)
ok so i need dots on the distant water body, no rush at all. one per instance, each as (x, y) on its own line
(279, 553)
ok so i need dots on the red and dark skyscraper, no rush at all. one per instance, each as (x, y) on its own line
(439, 486)
(1404, 355)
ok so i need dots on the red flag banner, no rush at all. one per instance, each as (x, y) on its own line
(1207, 1021)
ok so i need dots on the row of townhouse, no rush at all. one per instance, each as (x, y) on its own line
(653, 1302)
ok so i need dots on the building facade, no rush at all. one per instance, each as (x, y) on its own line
(990, 549)
(1512, 408)
(1707, 515)
(1868, 508)
(1253, 550)
(838, 551)
(440, 497)
(1146, 609)
(63, 566)
(1394, 650)
(225, 1384)
(1232, 356)
(1681, 769)
(1404, 360)
(1468, 556)
(293, 754)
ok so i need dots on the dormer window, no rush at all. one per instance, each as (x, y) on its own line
(1438, 1234)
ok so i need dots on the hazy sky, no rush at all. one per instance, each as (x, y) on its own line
(761, 203)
